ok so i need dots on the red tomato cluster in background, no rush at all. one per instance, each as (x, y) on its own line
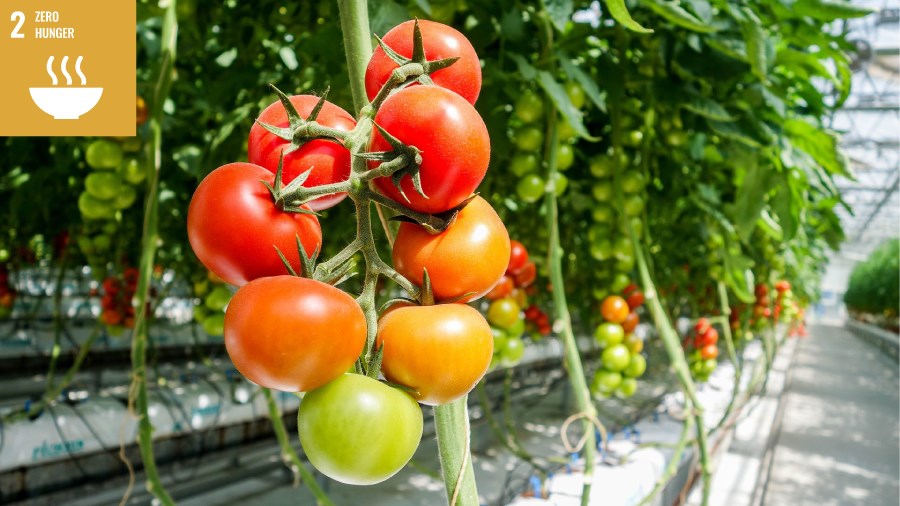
(7, 293)
(116, 304)
(702, 345)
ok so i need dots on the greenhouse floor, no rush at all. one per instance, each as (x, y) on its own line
(837, 440)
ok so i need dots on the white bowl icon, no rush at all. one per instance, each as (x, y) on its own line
(66, 103)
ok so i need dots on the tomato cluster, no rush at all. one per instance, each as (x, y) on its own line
(300, 334)
(621, 361)
(528, 138)
(213, 296)
(118, 171)
(505, 314)
(7, 293)
(116, 304)
(703, 349)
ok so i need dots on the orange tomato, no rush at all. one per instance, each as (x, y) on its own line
(614, 309)
(439, 351)
(469, 257)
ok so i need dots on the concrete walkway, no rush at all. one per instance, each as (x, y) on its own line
(838, 442)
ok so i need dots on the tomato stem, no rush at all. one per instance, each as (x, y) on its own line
(288, 455)
(451, 422)
(137, 398)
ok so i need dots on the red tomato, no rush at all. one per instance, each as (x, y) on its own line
(532, 312)
(761, 290)
(468, 257)
(709, 351)
(631, 321)
(234, 227)
(628, 289)
(439, 41)
(711, 336)
(503, 288)
(702, 326)
(439, 351)
(518, 257)
(329, 160)
(293, 334)
(452, 137)
(614, 309)
(635, 299)
(782, 286)
(525, 276)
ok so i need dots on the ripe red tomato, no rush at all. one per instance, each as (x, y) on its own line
(635, 299)
(452, 137)
(359, 431)
(503, 288)
(631, 321)
(518, 257)
(525, 276)
(293, 334)
(439, 41)
(468, 257)
(329, 161)
(710, 351)
(782, 286)
(614, 309)
(702, 326)
(234, 227)
(711, 336)
(439, 351)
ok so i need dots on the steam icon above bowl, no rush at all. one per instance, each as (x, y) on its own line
(66, 102)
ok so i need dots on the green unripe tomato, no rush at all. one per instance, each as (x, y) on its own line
(529, 107)
(576, 94)
(500, 338)
(633, 181)
(530, 188)
(709, 365)
(103, 154)
(126, 197)
(636, 366)
(602, 190)
(512, 352)
(605, 382)
(616, 357)
(565, 156)
(609, 334)
(132, 171)
(561, 182)
(503, 313)
(633, 138)
(523, 163)
(602, 166)
(359, 431)
(93, 208)
(627, 388)
(517, 328)
(218, 298)
(214, 324)
(565, 131)
(603, 213)
(633, 206)
(620, 281)
(529, 138)
(103, 185)
(601, 249)
(102, 243)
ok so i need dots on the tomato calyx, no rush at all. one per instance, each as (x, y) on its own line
(415, 69)
(433, 223)
(301, 130)
(401, 161)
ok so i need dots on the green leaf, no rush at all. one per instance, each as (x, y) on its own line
(560, 12)
(739, 276)
(819, 144)
(587, 83)
(511, 25)
(678, 16)
(560, 99)
(619, 12)
(528, 72)
(770, 227)
(706, 107)
(755, 39)
(829, 10)
(736, 131)
(751, 197)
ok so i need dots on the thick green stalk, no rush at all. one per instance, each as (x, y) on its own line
(732, 352)
(451, 421)
(149, 238)
(561, 309)
(289, 455)
(357, 46)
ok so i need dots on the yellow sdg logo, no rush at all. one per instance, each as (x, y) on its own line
(70, 68)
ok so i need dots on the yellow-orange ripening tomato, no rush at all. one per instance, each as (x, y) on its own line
(469, 257)
(293, 334)
(439, 351)
(614, 309)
